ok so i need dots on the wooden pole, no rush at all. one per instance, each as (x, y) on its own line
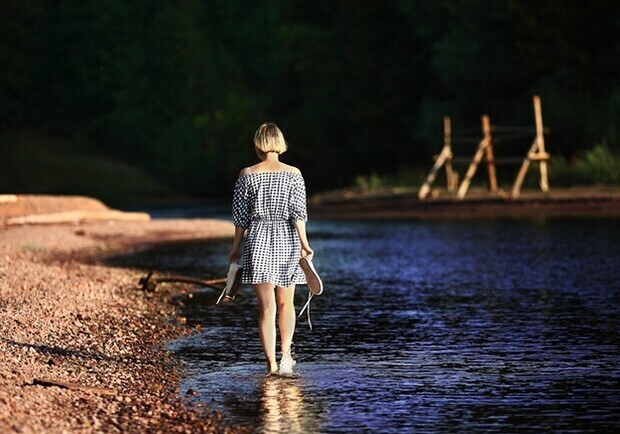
(486, 131)
(471, 170)
(426, 186)
(473, 166)
(516, 188)
(447, 143)
(540, 140)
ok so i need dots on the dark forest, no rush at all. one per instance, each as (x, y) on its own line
(176, 89)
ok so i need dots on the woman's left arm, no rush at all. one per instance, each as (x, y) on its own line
(240, 215)
(299, 212)
(235, 252)
(306, 250)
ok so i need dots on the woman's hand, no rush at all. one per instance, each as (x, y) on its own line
(234, 255)
(307, 252)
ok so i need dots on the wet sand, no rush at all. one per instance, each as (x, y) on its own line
(64, 317)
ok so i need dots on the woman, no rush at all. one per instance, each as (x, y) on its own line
(270, 203)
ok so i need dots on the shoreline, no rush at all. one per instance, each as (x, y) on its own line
(395, 204)
(68, 318)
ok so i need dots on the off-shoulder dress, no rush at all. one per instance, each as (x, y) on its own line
(267, 204)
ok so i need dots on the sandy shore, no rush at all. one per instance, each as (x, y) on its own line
(79, 322)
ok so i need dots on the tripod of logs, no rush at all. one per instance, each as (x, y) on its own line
(485, 151)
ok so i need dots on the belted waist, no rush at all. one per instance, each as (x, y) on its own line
(270, 220)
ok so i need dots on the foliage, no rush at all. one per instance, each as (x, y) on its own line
(178, 88)
(38, 164)
(599, 165)
(369, 183)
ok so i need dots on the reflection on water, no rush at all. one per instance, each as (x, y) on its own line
(282, 406)
(442, 327)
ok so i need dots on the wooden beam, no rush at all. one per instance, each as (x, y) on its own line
(538, 156)
(486, 132)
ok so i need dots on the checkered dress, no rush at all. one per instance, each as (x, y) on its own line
(267, 204)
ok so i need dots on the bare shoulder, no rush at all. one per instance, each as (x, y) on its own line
(293, 169)
(245, 171)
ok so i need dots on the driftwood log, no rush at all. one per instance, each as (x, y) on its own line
(149, 283)
(46, 382)
(77, 217)
(7, 198)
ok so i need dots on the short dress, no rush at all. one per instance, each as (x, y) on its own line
(267, 204)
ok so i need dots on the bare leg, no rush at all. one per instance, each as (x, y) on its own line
(267, 322)
(286, 317)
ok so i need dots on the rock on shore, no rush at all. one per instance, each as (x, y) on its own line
(79, 322)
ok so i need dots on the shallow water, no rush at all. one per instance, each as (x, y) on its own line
(439, 327)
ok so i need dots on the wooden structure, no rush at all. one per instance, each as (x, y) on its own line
(446, 158)
(485, 152)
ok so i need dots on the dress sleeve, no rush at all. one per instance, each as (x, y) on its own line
(298, 200)
(240, 206)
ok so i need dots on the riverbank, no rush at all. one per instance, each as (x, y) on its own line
(401, 203)
(82, 325)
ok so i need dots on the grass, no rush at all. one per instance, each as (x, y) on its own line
(404, 177)
(36, 163)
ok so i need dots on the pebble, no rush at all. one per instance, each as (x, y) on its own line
(68, 318)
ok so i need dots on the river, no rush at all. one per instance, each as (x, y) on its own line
(424, 326)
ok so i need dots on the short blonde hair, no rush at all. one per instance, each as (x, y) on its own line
(269, 138)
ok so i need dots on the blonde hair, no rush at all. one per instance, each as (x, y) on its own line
(269, 138)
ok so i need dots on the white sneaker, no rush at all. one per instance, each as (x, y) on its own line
(315, 285)
(286, 364)
(233, 281)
